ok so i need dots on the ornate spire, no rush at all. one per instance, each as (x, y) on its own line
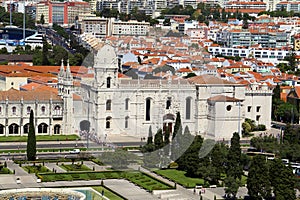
(68, 74)
(62, 69)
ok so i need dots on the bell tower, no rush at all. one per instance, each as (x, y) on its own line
(106, 68)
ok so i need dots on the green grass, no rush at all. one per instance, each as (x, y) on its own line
(180, 178)
(146, 182)
(5, 170)
(75, 167)
(40, 138)
(109, 194)
(36, 169)
(142, 180)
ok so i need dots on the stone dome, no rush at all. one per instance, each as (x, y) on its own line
(105, 57)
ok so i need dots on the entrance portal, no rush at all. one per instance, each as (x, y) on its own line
(168, 121)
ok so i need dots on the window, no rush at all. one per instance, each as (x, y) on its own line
(0, 109)
(228, 108)
(249, 108)
(1, 129)
(57, 129)
(126, 122)
(126, 104)
(108, 121)
(168, 103)
(188, 108)
(26, 128)
(43, 109)
(57, 110)
(14, 110)
(148, 108)
(257, 117)
(28, 110)
(257, 108)
(108, 82)
(43, 128)
(13, 129)
(108, 104)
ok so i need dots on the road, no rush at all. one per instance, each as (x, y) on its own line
(64, 144)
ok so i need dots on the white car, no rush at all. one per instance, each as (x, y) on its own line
(75, 151)
(18, 181)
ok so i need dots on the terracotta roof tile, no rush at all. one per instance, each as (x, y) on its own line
(223, 98)
(16, 95)
(209, 80)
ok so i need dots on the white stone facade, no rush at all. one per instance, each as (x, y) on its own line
(208, 106)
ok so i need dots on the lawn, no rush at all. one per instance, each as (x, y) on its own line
(75, 167)
(109, 194)
(146, 182)
(142, 180)
(4, 170)
(36, 169)
(40, 138)
(180, 178)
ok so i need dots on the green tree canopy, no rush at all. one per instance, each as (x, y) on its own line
(31, 139)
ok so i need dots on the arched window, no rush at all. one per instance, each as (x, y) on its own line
(56, 129)
(148, 109)
(108, 122)
(57, 110)
(13, 129)
(28, 110)
(26, 128)
(126, 104)
(43, 109)
(168, 103)
(108, 82)
(188, 102)
(14, 110)
(43, 128)
(126, 121)
(108, 104)
(1, 129)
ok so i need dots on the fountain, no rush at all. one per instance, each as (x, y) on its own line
(41, 194)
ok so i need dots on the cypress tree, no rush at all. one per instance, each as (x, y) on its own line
(167, 136)
(177, 126)
(150, 137)
(158, 139)
(31, 140)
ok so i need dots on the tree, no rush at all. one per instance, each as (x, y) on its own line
(118, 159)
(234, 169)
(218, 158)
(232, 186)
(150, 136)
(42, 20)
(167, 136)
(245, 23)
(282, 180)
(258, 182)
(158, 139)
(31, 140)
(177, 126)
(189, 161)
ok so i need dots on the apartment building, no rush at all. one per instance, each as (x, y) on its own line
(62, 13)
(263, 36)
(101, 27)
(288, 6)
(96, 25)
(272, 55)
(245, 5)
